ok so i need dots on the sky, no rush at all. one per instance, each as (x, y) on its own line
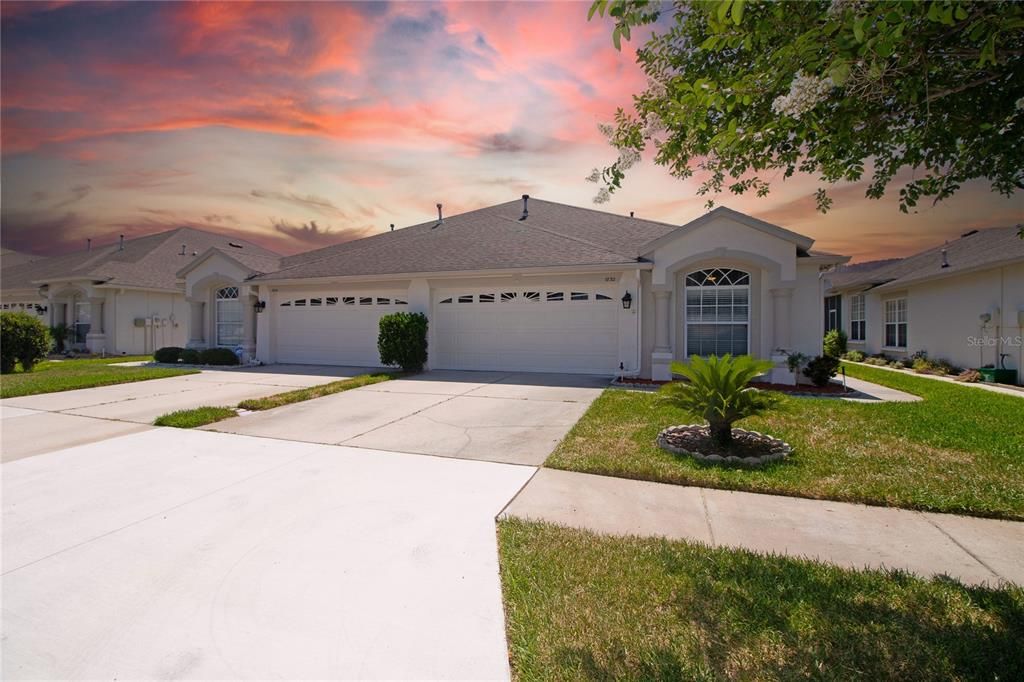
(300, 125)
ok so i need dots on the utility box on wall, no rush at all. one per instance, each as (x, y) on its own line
(141, 321)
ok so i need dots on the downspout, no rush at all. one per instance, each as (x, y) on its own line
(639, 320)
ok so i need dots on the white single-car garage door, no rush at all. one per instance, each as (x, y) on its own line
(332, 327)
(556, 328)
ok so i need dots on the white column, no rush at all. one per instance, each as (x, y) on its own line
(249, 326)
(196, 324)
(782, 335)
(96, 339)
(661, 358)
(782, 327)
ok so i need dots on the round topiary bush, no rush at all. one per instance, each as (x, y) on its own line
(403, 340)
(169, 354)
(190, 356)
(821, 369)
(218, 356)
(24, 339)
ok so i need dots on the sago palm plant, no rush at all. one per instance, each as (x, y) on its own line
(717, 391)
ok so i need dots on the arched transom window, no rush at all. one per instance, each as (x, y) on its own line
(228, 310)
(717, 312)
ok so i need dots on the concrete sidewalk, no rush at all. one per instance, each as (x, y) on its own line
(970, 549)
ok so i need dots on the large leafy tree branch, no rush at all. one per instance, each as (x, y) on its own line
(746, 93)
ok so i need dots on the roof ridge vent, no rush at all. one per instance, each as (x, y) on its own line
(234, 245)
(968, 233)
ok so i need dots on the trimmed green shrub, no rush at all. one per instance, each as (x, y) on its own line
(821, 369)
(403, 340)
(170, 354)
(217, 356)
(190, 356)
(716, 390)
(835, 343)
(24, 339)
(853, 356)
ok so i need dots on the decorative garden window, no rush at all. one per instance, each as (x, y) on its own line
(858, 322)
(717, 312)
(228, 311)
(896, 323)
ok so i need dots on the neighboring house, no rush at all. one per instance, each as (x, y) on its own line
(525, 286)
(123, 298)
(962, 301)
(27, 300)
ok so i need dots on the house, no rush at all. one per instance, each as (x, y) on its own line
(962, 301)
(526, 285)
(124, 298)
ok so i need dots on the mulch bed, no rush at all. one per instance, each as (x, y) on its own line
(748, 448)
(828, 389)
(799, 389)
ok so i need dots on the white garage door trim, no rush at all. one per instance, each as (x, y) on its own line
(541, 328)
(332, 327)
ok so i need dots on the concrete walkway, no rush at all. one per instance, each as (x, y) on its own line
(972, 550)
(867, 392)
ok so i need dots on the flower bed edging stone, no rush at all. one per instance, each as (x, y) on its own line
(780, 449)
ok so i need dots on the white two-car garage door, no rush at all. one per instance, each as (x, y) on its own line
(333, 328)
(557, 328)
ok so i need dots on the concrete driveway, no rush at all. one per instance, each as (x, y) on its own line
(174, 554)
(494, 416)
(42, 423)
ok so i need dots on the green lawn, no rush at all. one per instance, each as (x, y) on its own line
(50, 376)
(580, 606)
(198, 416)
(301, 394)
(959, 450)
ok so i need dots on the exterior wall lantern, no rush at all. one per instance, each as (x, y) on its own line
(41, 309)
(259, 306)
(627, 301)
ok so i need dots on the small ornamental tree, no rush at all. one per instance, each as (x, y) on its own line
(403, 341)
(717, 390)
(834, 344)
(24, 339)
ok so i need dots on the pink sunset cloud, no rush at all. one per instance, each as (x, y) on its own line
(179, 113)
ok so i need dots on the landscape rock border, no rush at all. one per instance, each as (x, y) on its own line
(780, 449)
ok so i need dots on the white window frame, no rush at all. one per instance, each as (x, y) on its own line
(686, 322)
(858, 314)
(222, 297)
(895, 316)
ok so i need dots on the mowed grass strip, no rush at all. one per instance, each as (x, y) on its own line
(312, 392)
(51, 376)
(959, 450)
(580, 606)
(197, 416)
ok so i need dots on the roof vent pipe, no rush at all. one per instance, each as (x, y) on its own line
(440, 217)
(182, 250)
(526, 211)
(88, 244)
(630, 214)
(945, 261)
(120, 245)
(392, 227)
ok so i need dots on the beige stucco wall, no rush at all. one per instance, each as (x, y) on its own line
(123, 307)
(943, 318)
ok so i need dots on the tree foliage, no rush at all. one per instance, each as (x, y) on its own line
(927, 95)
(23, 338)
(716, 390)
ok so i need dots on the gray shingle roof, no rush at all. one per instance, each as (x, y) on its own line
(486, 239)
(973, 251)
(149, 262)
